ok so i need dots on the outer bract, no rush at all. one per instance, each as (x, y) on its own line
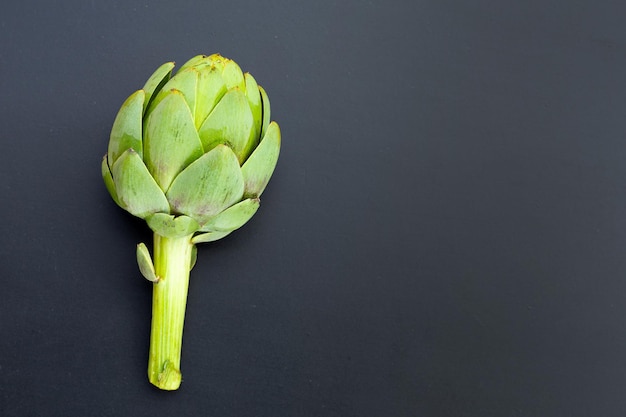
(191, 154)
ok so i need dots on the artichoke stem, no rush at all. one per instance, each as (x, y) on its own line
(172, 257)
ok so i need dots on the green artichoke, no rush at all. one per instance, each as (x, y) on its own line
(191, 154)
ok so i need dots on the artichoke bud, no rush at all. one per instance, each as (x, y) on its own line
(192, 152)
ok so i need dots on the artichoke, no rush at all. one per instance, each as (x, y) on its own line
(190, 154)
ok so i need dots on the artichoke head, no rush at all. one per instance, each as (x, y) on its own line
(191, 153)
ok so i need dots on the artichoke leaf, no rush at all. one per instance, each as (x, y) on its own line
(209, 185)
(259, 167)
(212, 88)
(229, 69)
(185, 82)
(233, 76)
(194, 257)
(171, 141)
(156, 82)
(208, 237)
(195, 61)
(233, 217)
(137, 191)
(256, 106)
(266, 110)
(126, 130)
(146, 267)
(229, 123)
(108, 181)
(170, 226)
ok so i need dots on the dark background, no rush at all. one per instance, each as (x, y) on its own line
(444, 235)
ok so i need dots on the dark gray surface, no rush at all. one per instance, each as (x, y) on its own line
(444, 234)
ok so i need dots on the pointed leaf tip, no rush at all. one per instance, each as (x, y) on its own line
(156, 82)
